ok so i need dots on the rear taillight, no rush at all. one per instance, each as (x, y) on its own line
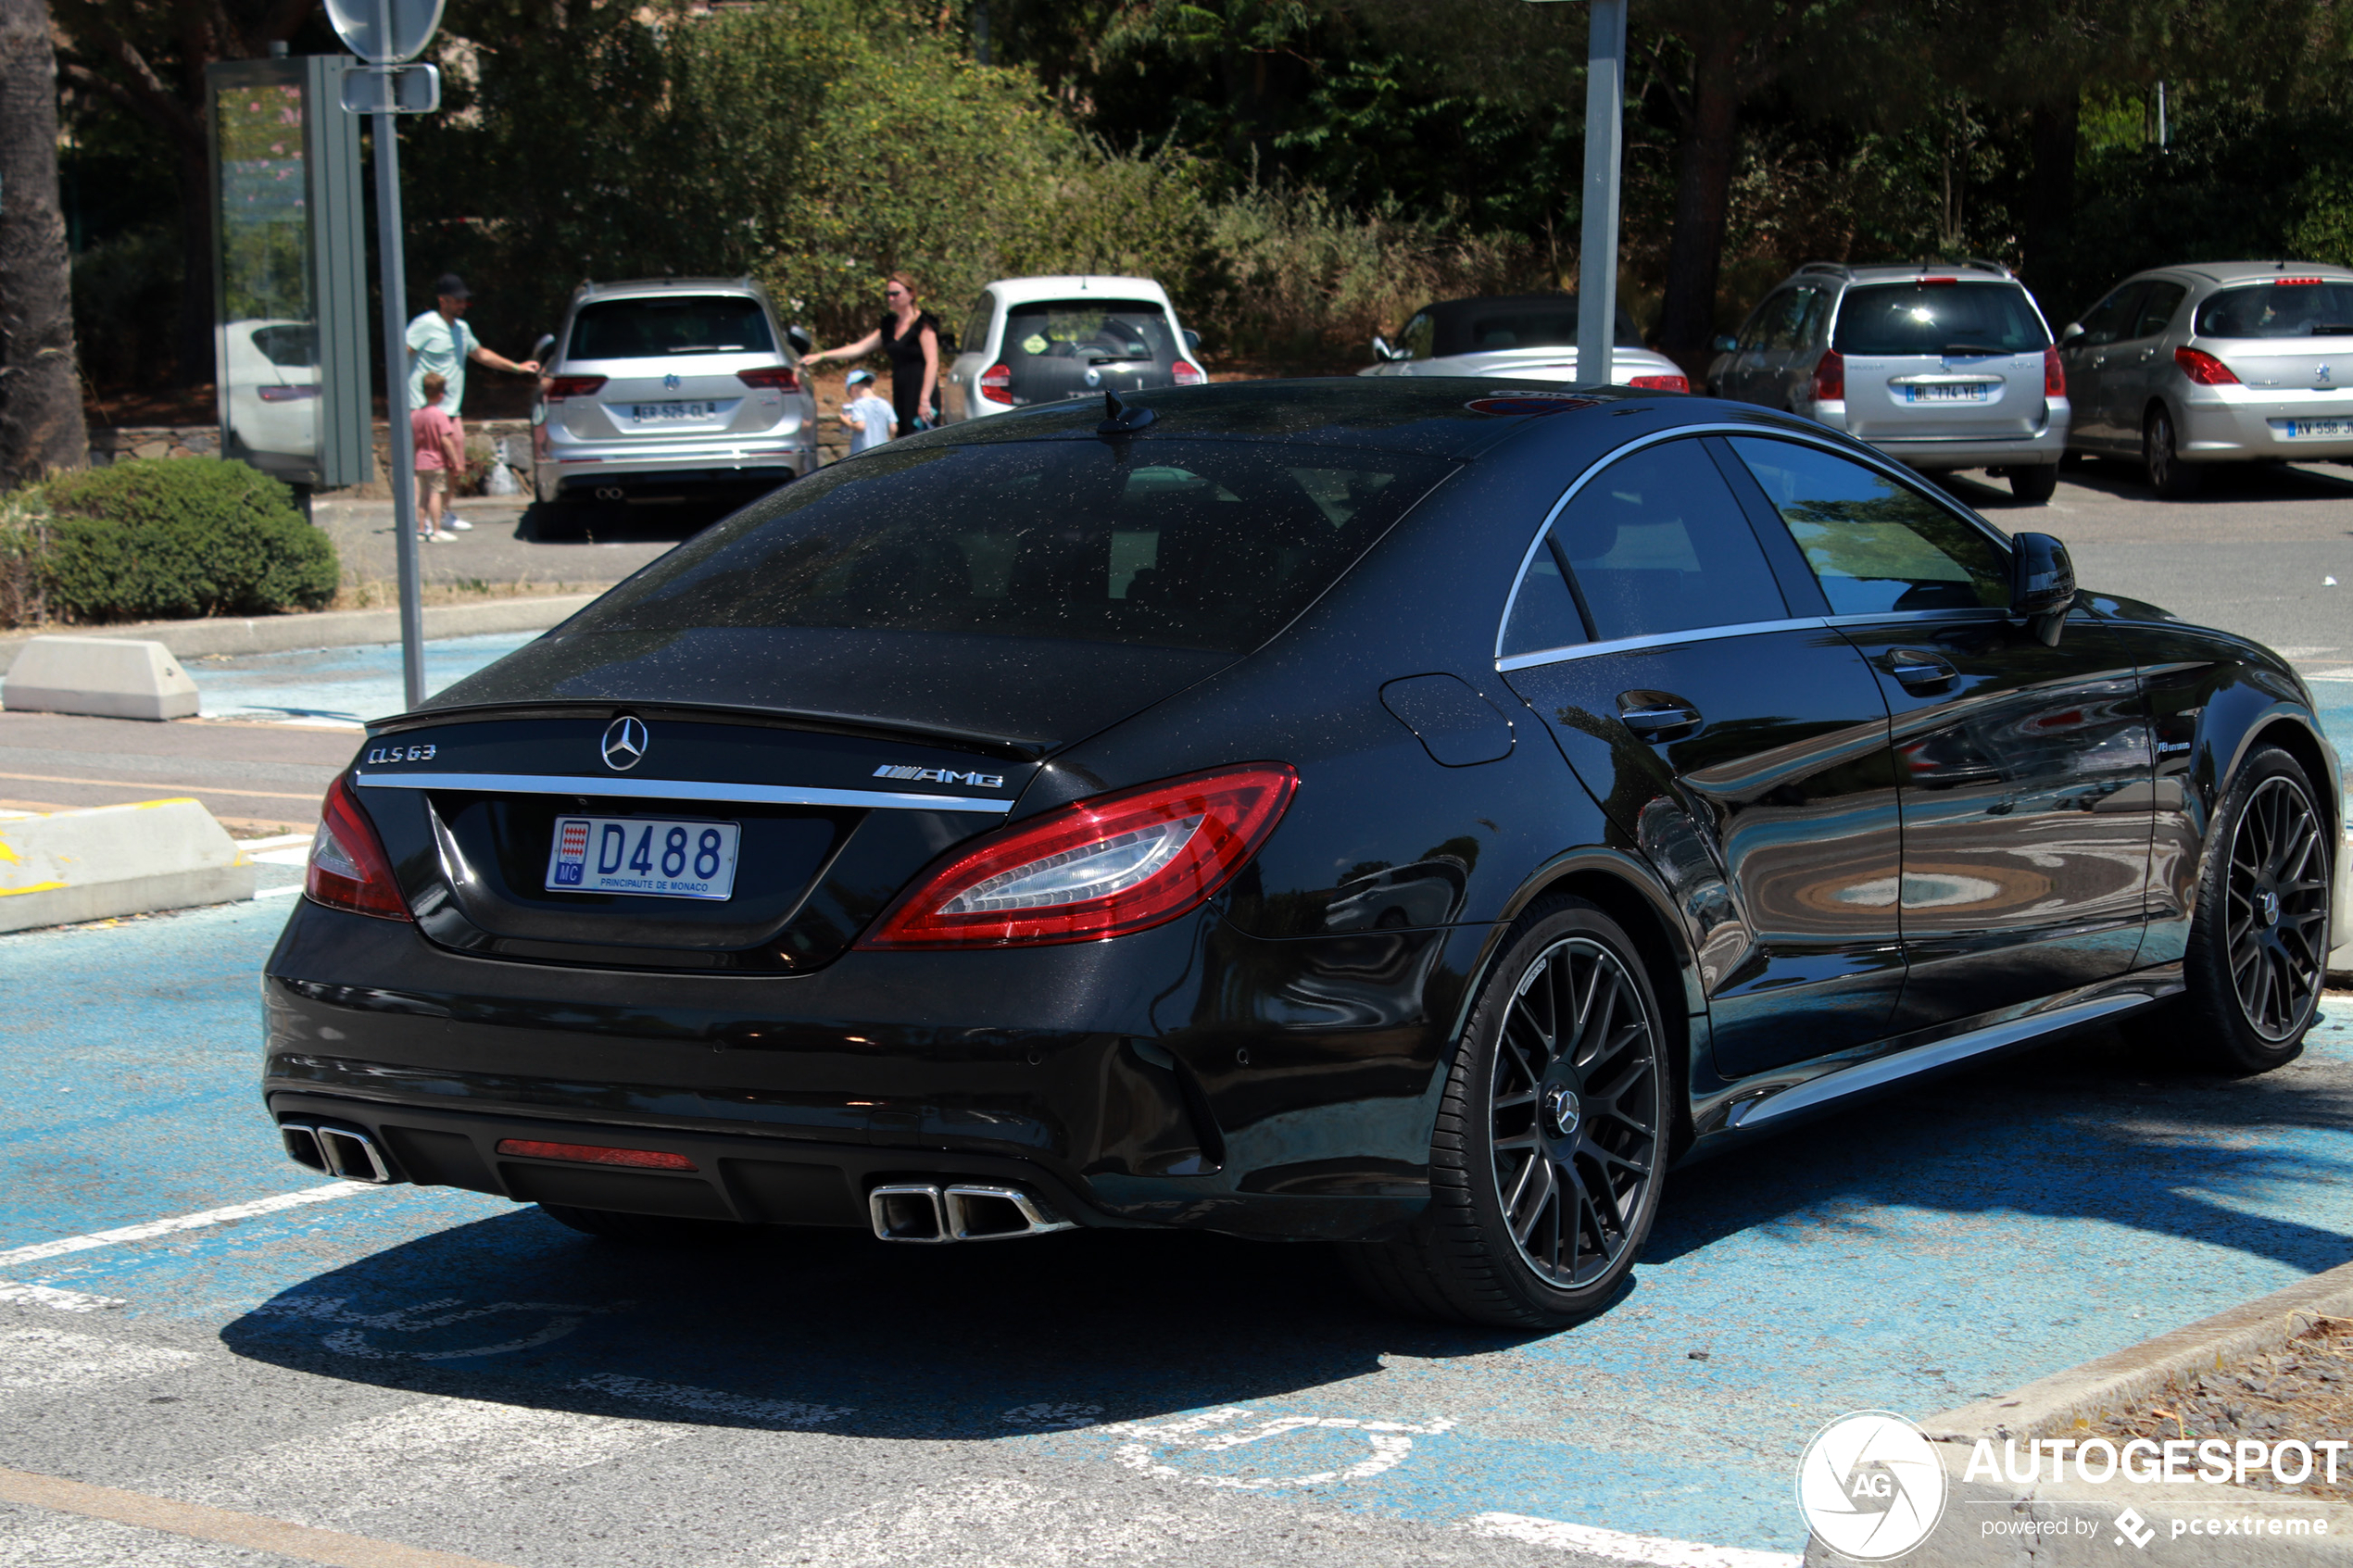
(1189, 374)
(561, 388)
(348, 868)
(287, 393)
(1829, 377)
(996, 383)
(1662, 384)
(2203, 368)
(1098, 868)
(773, 378)
(2054, 374)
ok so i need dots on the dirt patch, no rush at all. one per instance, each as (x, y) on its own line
(2300, 1393)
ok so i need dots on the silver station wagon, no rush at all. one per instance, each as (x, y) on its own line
(1938, 365)
(2215, 362)
(671, 388)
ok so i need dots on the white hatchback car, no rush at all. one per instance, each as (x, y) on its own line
(273, 396)
(1028, 340)
(1517, 337)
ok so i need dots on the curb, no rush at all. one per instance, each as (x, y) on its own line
(325, 629)
(2063, 1523)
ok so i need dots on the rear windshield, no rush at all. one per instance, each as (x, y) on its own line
(1893, 319)
(1193, 544)
(653, 329)
(2279, 310)
(1089, 332)
(293, 345)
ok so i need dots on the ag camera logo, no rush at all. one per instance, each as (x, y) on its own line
(1870, 1485)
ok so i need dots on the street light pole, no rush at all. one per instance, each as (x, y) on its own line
(1597, 245)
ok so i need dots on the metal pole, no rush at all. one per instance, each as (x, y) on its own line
(1605, 139)
(403, 457)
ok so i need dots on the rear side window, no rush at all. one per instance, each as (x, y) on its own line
(1873, 543)
(1197, 544)
(1902, 319)
(1657, 543)
(2314, 310)
(2109, 320)
(2156, 308)
(654, 329)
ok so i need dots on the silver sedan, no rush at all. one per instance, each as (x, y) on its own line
(2215, 362)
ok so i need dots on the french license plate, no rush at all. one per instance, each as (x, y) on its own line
(647, 413)
(1946, 392)
(2321, 430)
(659, 856)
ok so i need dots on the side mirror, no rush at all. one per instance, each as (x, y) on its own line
(2070, 332)
(802, 342)
(1192, 343)
(539, 350)
(1727, 343)
(2041, 583)
(1381, 351)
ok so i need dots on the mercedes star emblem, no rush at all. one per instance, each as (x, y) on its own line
(1562, 1110)
(626, 743)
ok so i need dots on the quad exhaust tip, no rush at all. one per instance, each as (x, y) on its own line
(921, 1212)
(335, 1151)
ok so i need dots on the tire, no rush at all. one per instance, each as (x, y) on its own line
(1545, 1166)
(2259, 936)
(2035, 486)
(652, 1230)
(2161, 460)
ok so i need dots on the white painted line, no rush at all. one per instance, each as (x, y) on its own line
(58, 1248)
(768, 1413)
(298, 854)
(63, 1300)
(277, 840)
(54, 1358)
(278, 892)
(1660, 1551)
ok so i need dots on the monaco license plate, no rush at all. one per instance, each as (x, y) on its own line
(658, 857)
(2321, 430)
(645, 413)
(1946, 392)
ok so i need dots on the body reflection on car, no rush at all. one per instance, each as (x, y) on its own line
(1367, 812)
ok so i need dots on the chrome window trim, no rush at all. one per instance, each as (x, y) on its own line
(1867, 458)
(1653, 640)
(681, 789)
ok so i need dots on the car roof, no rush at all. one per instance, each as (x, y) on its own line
(2248, 271)
(1437, 416)
(656, 286)
(1022, 290)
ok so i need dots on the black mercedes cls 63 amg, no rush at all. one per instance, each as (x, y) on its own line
(1406, 815)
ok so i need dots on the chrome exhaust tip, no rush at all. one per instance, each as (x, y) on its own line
(906, 1212)
(995, 1213)
(302, 1145)
(352, 1156)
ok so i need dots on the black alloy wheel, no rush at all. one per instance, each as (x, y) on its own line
(2161, 459)
(2033, 486)
(2258, 943)
(1551, 1140)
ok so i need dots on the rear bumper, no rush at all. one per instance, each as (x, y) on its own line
(577, 469)
(2044, 445)
(2240, 426)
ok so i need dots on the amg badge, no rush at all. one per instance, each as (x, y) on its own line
(941, 775)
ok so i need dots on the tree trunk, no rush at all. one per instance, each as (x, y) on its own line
(1703, 196)
(2050, 210)
(41, 424)
(193, 350)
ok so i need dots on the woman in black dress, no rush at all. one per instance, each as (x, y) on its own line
(911, 336)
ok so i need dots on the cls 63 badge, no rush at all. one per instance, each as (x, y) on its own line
(378, 756)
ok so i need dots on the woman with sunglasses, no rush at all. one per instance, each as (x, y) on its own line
(912, 339)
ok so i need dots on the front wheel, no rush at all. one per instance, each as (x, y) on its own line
(2161, 459)
(2033, 486)
(2258, 939)
(1551, 1141)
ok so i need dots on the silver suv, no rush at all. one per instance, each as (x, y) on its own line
(2216, 362)
(1939, 366)
(671, 387)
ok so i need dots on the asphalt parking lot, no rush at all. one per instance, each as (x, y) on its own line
(449, 1371)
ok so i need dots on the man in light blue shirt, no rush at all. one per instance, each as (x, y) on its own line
(440, 343)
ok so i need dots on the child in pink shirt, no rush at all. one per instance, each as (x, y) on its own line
(441, 458)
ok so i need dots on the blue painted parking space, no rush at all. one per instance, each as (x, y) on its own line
(351, 685)
(1947, 1244)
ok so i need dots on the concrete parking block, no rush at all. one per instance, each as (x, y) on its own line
(113, 678)
(69, 866)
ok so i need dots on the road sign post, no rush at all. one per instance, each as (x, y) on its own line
(1605, 141)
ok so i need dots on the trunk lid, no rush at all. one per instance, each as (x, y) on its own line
(1971, 397)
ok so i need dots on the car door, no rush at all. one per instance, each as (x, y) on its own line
(1740, 744)
(2025, 770)
(2086, 357)
(2138, 360)
(1793, 370)
(1743, 375)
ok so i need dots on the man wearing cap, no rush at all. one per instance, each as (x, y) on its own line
(440, 343)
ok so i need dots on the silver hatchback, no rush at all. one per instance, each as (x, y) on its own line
(1941, 366)
(668, 388)
(2215, 362)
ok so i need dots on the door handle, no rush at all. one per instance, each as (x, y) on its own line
(1922, 674)
(1657, 716)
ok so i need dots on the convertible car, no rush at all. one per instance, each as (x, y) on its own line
(1412, 815)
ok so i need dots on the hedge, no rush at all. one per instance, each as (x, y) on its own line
(163, 539)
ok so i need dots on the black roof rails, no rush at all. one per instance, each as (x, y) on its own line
(1837, 268)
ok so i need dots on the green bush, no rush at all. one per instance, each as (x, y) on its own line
(164, 539)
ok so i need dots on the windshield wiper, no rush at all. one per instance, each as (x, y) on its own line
(1961, 350)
